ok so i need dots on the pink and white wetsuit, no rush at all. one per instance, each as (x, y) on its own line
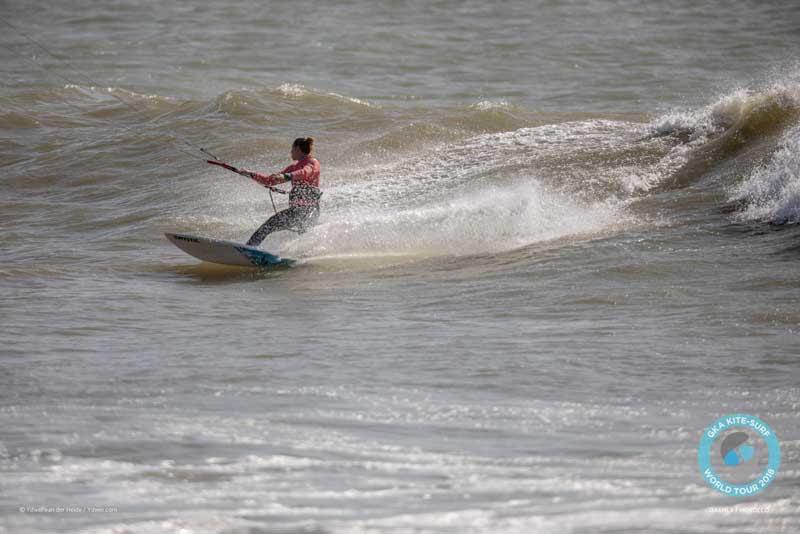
(304, 175)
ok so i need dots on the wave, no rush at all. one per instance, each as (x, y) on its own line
(771, 193)
(287, 99)
(744, 125)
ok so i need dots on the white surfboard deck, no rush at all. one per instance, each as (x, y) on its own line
(225, 252)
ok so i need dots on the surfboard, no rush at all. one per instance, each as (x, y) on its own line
(225, 252)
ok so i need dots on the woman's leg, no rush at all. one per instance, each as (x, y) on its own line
(307, 217)
(295, 218)
(280, 221)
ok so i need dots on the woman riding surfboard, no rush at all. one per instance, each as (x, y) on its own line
(303, 210)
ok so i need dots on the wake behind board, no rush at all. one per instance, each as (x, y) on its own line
(225, 252)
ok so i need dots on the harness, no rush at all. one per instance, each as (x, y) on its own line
(304, 195)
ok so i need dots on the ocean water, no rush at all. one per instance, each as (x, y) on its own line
(558, 240)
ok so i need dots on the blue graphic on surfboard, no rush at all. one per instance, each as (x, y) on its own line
(225, 252)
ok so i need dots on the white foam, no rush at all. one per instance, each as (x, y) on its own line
(292, 89)
(772, 191)
(491, 220)
(295, 90)
(701, 124)
(486, 105)
(605, 518)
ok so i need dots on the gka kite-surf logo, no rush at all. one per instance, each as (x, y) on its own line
(739, 455)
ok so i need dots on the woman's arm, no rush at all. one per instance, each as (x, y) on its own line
(268, 180)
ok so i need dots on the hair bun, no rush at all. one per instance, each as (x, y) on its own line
(304, 143)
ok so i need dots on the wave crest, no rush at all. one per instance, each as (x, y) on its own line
(740, 122)
(772, 191)
(741, 108)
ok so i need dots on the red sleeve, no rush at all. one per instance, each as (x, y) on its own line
(265, 179)
(304, 172)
